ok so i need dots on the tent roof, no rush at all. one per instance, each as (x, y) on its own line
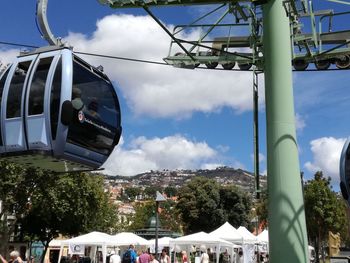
(199, 239)
(128, 238)
(228, 232)
(55, 242)
(93, 238)
(264, 236)
(164, 241)
(247, 236)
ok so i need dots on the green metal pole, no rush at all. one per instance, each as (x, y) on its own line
(287, 226)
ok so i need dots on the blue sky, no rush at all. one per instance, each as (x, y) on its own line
(176, 118)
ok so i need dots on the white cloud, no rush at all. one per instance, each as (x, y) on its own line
(172, 152)
(223, 148)
(7, 56)
(299, 122)
(160, 91)
(326, 155)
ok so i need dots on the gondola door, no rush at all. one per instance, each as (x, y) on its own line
(37, 102)
(12, 104)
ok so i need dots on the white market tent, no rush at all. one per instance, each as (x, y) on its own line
(55, 243)
(128, 238)
(228, 233)
(162, 242)
(199, 239)
(94, 239)
(263, 237)
(247, 236)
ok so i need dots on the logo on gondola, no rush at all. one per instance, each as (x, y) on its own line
(81, 116)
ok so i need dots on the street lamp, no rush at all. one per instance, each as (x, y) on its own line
(159, 198)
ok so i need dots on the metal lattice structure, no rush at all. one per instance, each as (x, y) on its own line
(321, 45)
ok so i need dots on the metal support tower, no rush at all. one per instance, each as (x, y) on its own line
(287, 226)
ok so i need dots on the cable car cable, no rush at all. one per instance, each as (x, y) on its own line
(122, 58)
(144, 61)
(17, 44)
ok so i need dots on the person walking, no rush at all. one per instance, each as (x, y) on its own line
(153, 259)
(115, 258)
(130, 255)
(14, 258)
(184, 258)
(204, 256)
(164, 258)
(144, 257)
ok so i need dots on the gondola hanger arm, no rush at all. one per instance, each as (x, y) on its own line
(41, 15)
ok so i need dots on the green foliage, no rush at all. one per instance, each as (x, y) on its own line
(145, 210)
(204, 205)
(47, 204)
(261, 208)
(14, 191)
(170, 191)
(169, 217)
(67, 204)
(150, 191)
(324, 210)
(236, 205)
(132, 192)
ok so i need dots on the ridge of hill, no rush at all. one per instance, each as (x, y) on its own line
(177, 178)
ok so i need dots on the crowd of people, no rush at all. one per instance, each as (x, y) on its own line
(204, 255)
(143, 256)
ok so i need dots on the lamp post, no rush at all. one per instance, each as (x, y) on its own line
(159, 198)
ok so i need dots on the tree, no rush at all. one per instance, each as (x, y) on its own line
(144, 211)
(170, 217)
(170, 191)
(204, 205)
(236, 205)
(150, 191)
(15, 188)
(68, 204)
(132, 192)
(324, 211)
(261, 208)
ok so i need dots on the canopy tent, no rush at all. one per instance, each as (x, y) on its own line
(128, 238)
(263, 237)
(55, 243)
(247, 236)
(94, 239)
(162, 242)
(228, 233)
(199, 239)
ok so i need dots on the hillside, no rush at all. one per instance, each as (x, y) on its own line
(223, 175)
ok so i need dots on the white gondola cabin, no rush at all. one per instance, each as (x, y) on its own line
(57, 112)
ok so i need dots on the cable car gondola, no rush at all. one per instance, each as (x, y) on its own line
(57, 112)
